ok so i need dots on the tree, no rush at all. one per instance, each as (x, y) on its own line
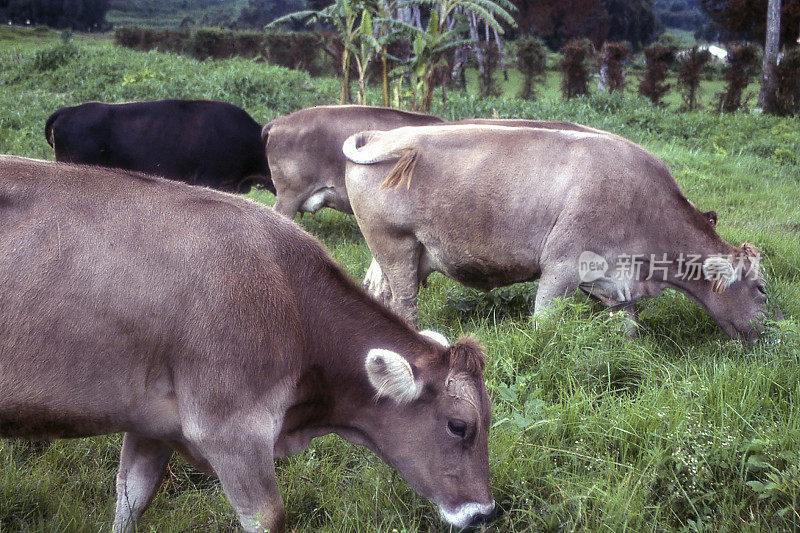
(597, 20)
(259, 13)
(630, 20)
(766, 96)
(562, 21)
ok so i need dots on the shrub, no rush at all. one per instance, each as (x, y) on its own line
(693, 62)
(742, 65)
(658, 59)
(612, 58)
(211, 43)
(296, 50)
(248, 44)
(574, 67)
(55, 57)
(532, 62)
(128, 36)
(788, 73)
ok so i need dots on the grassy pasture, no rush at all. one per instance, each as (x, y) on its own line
(678, 429)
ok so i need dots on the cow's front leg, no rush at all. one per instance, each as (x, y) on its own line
(141, 469)
(630, 311)
(246, 470)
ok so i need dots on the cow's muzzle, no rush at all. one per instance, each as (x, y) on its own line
(468, 514)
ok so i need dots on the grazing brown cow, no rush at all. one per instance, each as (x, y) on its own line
(494, 205)
(203, 323)
(304, 151)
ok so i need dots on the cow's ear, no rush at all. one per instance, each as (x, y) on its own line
(436, 336)
(392, 376)
(720, 272)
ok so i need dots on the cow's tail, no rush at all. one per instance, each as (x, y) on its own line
(48, 129)
(370, 147)
(265, 131)
(265, 176)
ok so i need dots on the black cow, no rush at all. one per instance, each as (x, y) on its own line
(207, 143)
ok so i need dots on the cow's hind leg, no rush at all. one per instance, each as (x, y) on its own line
(141, 469)
(287, 205)
(399, 259)
(555, 283)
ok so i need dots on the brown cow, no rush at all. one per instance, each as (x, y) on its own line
(493, 205)
(304, 152)
(200, 322)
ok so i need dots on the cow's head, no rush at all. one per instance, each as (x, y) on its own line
(430, 421)
(735, 292)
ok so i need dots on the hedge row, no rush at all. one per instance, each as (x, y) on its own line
(295, 50)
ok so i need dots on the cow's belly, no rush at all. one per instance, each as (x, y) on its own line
(482, 271)
(59, 404)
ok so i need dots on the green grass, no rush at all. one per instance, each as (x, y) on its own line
(678, 429)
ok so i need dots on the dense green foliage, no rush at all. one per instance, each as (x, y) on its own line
(598, 20)
(678, 429)
(747, 19)
(683, 14)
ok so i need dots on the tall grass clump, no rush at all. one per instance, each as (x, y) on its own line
(692, 64)
(532, 62)
(658, 59)
(613, 57)
(788, 72)
(743, 59)
(574, 66)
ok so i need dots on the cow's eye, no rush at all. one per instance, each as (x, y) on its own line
(458, 428)
(762, 290)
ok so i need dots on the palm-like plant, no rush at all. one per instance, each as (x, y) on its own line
(442, 36)
(343, 15)
(368, 36)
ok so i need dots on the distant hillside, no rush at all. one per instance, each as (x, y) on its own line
(169, 13)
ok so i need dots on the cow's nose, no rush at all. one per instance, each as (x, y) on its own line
(481, 517)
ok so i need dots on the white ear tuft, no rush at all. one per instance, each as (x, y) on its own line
(436, 336)
(391, 375)
(720, 271)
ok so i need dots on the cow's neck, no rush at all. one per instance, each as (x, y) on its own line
(333, 390)
(684, 241)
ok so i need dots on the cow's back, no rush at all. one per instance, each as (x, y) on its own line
(199, 142)
(140, 286)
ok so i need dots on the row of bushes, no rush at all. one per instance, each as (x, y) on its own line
(295, 50)
(304, 51)
(578, 61)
